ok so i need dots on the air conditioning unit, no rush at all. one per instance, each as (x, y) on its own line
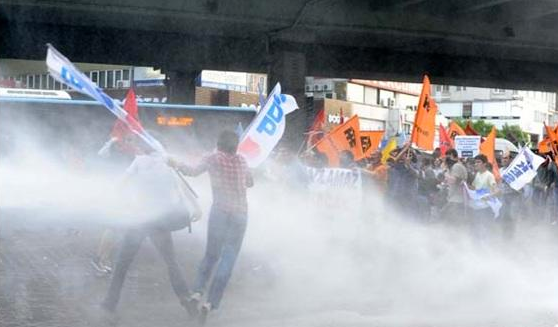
(382, 102)
(317, 87)
(122, 84)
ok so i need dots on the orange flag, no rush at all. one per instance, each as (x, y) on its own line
(341, 138)
(425, 119)
(487, 148)
(545, 146)
(445, 141)
(370, 140)
(455, 130)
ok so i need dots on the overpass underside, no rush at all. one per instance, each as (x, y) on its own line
(491, 43)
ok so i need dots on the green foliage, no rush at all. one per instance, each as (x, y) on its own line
(514, 134)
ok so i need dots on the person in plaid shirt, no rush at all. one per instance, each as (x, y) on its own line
(228, 217)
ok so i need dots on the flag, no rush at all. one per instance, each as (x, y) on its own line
(341, 117)
(487, 148)
(341, 138)
(480, 199)
(445, 141)
(522, 169)
(267, 127)
(370, 140)
(62, 70)
(545, 146)
(390, 146)
(469, 130)
(454, 130)
(425, 119)
(317, 126)
(120, 129)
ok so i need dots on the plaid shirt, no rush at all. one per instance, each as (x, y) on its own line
(229, 177)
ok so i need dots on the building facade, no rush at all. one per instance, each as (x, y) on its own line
(527, 109)
(380, 105)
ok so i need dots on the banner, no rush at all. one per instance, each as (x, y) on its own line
(425, 119)
(370, 141)
(337, 190)
(345, 137)
(481, 199)
(467, 146)
(62, 70)
(267, 128)
(522, 169)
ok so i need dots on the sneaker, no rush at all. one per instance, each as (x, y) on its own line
(96, 263)
(107, 268)
(204, 311)
(190, 303)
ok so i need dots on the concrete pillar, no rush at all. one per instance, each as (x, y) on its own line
(289, 68)
(181, 86)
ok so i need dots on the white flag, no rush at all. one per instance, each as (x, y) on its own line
(522, 169)
(61, 69)
(267, 128)
(480, 199)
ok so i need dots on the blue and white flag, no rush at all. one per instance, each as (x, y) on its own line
(481, 199)
(62, 70)
(267, 128)
(522, 169)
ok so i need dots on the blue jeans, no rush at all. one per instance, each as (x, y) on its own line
(225, 233)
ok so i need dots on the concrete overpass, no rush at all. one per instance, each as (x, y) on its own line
(504, 43)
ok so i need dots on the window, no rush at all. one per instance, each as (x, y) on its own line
(126, 75)
(445, 88)
(110, 79)
(50, 82)
(95, 77)
(30, 80)
(467, 110)
(438, 88)
(458, 88)
(44, 79)
(307, 88)
(102, 79)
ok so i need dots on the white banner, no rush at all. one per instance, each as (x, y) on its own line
(61, 69)
(522, 169)
(467, 146)
(267, 128)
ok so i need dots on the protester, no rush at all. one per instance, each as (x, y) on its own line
(454, 210)
(161, 206)
(228, 218)
(511, 199)
(119, 152)
(484, 180)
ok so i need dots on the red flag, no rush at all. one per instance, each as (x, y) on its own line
(469, 130)
(120, 129)
(317, 126)
(445, 141)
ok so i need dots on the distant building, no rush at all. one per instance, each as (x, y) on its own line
(380, 105)
(527, 109)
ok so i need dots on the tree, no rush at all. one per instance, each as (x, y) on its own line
(514, 134)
